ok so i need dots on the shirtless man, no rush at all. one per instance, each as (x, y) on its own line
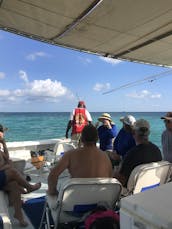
(86, 162)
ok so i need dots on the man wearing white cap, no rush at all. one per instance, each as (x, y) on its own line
(143, 152)
(124, 140)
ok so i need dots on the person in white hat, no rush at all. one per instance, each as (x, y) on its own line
(124, 140)
(143, 152)
(106, 132)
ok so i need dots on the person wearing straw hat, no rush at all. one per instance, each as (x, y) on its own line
(166, 138)
(106, 132)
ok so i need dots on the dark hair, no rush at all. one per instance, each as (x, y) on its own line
(1, 128)
(89, 134)
(143, 131)
(81, 104)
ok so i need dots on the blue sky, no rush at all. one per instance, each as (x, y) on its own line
(37, 77)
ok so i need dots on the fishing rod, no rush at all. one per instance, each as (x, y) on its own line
(149, 79)
(77, 96)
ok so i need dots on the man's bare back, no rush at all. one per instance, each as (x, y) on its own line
(89, 162)
(86, 162)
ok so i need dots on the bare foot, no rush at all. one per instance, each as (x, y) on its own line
(22, 222)
(23, 190)
(34, 187)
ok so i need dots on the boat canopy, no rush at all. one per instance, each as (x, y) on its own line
(133, 30)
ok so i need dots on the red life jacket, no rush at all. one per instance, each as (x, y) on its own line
(79, 120)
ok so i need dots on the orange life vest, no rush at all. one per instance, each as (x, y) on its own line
(79, 120)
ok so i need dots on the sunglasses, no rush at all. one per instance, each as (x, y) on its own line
(168, 121)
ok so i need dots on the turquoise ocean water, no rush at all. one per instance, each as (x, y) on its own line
(37, 126)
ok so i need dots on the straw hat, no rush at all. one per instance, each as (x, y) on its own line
(168, 116)
(105, 116)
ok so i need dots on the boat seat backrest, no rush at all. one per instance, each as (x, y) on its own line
(148, 176)
(80, 195)
(62, 146)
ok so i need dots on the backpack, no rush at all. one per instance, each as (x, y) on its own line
(102, 218)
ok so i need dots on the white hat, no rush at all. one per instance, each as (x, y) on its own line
(128, 120)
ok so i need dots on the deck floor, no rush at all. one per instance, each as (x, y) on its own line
(36, 176)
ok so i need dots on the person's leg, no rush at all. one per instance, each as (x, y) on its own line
(14, 175)
(76, 139)
(14, 195)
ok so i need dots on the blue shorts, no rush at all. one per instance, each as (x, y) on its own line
(2, 179)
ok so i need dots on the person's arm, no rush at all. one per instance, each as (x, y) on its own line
(112, 130)
(62, 164)
(69, 125)
(4, 167)
(89, 118)
(126, 168)
(121, 178)
(4, 149)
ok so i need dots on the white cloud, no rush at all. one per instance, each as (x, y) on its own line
(35, 55)
(37, 90)
(101, 87)
(156, 96)
(23, 76)
(2, 75)
(47, 88)
(4, 93)
(110, 60)
(144, 94)
(85, 60)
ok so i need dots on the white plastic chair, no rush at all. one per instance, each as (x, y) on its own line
(60, 147)
(147, 176)
(79, 196)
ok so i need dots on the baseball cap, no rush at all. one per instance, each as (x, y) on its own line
(128, 120)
